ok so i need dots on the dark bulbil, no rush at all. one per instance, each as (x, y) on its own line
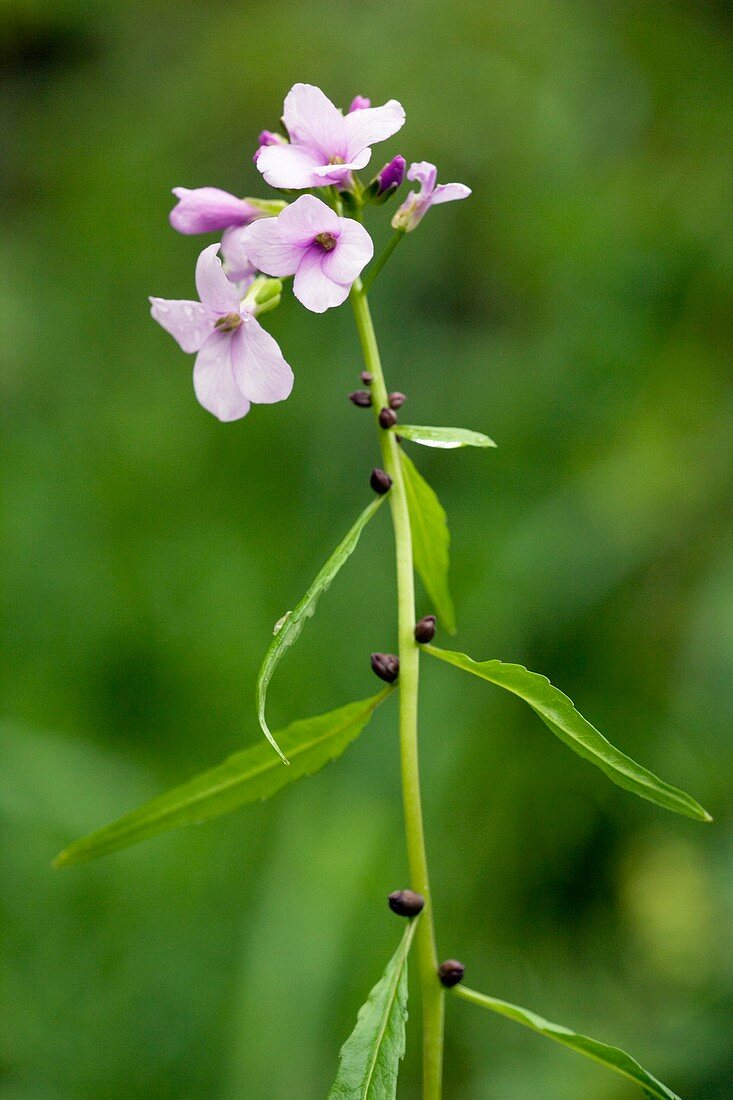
(386, 666)
(425, 629)
(406, 903)
(451, 972)
(397, 400)
(361, 398)
(380, 481)
(366, 378)
(387, 418)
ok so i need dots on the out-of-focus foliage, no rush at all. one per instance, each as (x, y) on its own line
(578, 309)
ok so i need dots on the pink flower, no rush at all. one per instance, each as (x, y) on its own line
(238, 363)
(267, 137)
(417, 203)
(324, 144)
(236, 261)
(360, 103)
(326, 253)
(208, 209)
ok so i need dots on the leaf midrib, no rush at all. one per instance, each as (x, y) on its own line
(235, 781)
(383, 1029)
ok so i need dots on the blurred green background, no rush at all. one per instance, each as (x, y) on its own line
(578, 308)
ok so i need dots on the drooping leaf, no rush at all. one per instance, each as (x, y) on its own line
(430, 541)
(369, 1060)
(249, 776)
(561, 717)
(290, 625)
(611, 1057)
(447, 438)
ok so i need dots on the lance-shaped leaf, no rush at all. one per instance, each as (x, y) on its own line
(249, 776)
(447, 438)
(369, 1060)
(561, 717)
(611, 1057)
(290, 625)
(430, 541)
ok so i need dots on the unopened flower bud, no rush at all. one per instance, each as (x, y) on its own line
(451, 972)
(386, 666)
(406, 903)
(386, 181)
(387, 418)
(359, 103)
(267, 137)
(209, 209)
(397, 400)
(366, 378)
(392, 174)
(425, 629)
(264, 294)
(380, 481)
(361, 398)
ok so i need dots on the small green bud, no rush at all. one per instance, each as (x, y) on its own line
(265, 294)
(271, 207)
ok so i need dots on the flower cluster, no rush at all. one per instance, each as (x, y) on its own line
(317, 239)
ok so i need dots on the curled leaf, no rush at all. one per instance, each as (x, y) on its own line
(288, 627)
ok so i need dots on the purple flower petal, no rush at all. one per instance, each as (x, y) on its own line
(392, 175)
(365, 127)
(448, 192)
(264, 244)
(189, 323)
(423, 172)
(213, 379)
(354, 249)
(260, 370)
(359, 103)
(236, 261)
(288, 166)
(208, 209)
(215, 290)
(313, 288)
(305, 218)
(335, 173)
(313, 120)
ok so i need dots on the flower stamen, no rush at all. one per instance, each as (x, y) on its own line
(228, 323)
(327, 241)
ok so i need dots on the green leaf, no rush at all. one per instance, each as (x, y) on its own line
(369, 1060)
(290, 625)
(448, 438)
(611, 1057)
(249, 776)
(561, 717)
(430, 541)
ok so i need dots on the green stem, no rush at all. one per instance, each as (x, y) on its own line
(409, 654)
(381, 260)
